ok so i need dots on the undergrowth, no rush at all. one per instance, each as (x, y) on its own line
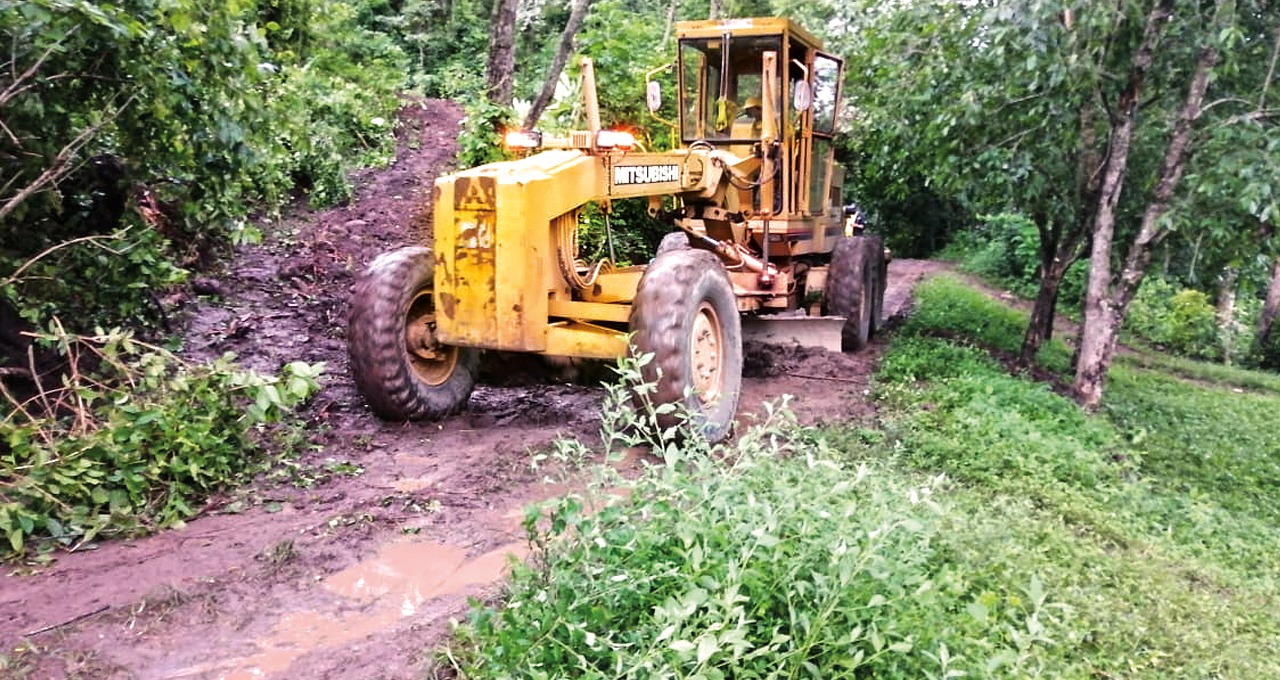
(773, 556)
(987, 528)
(1155, 522)
(130, 438)
(1004, 251)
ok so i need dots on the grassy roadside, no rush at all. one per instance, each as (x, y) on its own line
(1155, 522)
(987, 528)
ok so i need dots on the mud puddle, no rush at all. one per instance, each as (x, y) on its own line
(373, 595)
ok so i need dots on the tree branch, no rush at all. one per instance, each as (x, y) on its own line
(1175, 160)
(1271, 72)
(61, 163)
(16, 86)
(1250, 117)
(577, 15)
(17, 274)
(1225, 100)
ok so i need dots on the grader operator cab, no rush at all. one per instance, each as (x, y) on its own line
(754, 199)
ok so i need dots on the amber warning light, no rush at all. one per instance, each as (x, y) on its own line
(615, 139)
(523, 139)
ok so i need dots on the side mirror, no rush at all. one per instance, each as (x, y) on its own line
(653, 96)
(801, 96)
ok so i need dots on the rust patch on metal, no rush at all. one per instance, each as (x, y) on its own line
(448, 304)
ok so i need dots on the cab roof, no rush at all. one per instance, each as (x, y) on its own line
(714, 28)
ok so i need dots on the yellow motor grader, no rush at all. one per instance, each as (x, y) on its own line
(754, 200)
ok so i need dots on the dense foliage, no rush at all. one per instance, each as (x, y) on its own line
(776, 556)
(154, 128)
(132, 440)
(1166, 314)
(137, 138)
(1005, 249)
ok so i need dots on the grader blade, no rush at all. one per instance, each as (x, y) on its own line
(805, 331)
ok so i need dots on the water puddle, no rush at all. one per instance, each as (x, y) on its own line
(377, 593)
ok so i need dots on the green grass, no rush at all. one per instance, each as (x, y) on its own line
(987, 528)
(1156, 522)
(1202, 371)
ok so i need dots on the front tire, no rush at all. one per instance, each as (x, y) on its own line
(676, 240)
(686, 315)
(399, 367)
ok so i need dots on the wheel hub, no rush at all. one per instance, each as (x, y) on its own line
(707, 356)
(431, 361)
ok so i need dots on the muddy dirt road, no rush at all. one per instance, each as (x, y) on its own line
(349, 561)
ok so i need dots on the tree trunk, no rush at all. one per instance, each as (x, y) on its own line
(1267, 321)
(1040, 330)
(1094, 365)
(671, 22)
(1053, 267)
(717, 9)
(1226, 309)
(1100, 320)
(577, 15)
(502, 52)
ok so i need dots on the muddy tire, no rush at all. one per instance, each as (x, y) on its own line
(399, 368)
(880, 273)
(686, 315)
(851, 290)
(676, 240)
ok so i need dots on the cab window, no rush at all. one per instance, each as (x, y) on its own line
(720, 87)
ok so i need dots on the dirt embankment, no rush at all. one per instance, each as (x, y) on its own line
(349, 562)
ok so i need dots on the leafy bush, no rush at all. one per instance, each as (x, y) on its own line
(480, 140)
(132, 439)
(771, 558)
(129, 265)
(1181, 320)
(178, 117)
(635, 234)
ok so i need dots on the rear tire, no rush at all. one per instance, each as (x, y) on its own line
(851, 290)
(686, 315)
(398, 366)
(880, 274)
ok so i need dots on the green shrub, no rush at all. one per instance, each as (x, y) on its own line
(205, 111)
(762, 566)
(132, 440)
(775, 557)
(1181, 320)
(480, 140)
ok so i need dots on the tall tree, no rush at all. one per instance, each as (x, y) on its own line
(997, 104)
(577, 15)
(1080, 116)
(502, 52)
(1107, 301)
